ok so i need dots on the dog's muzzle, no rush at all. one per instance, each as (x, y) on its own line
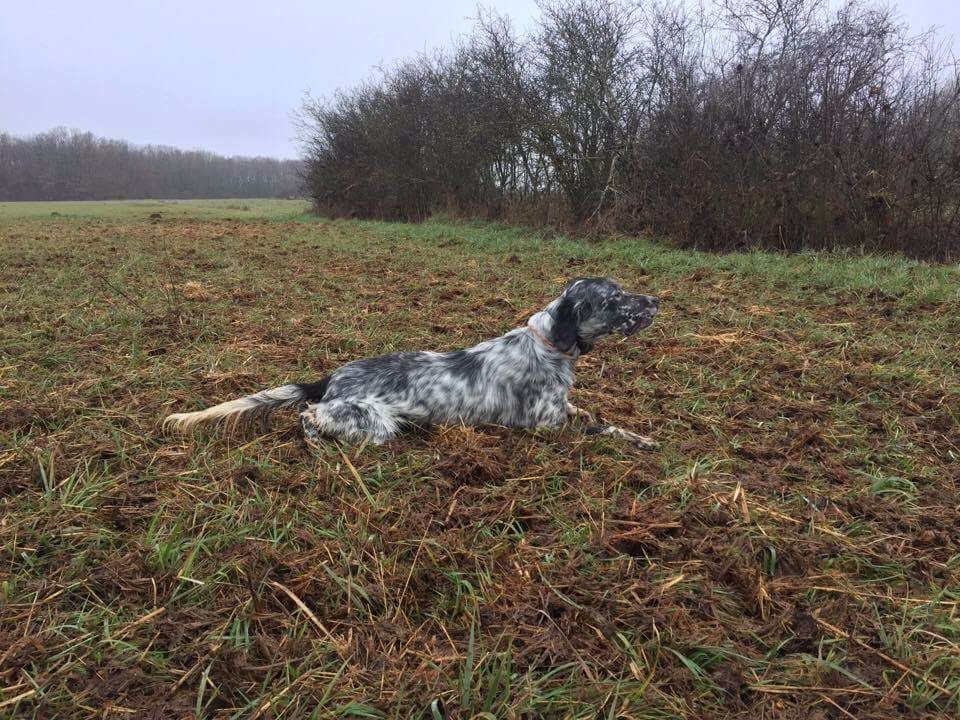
(641, 314)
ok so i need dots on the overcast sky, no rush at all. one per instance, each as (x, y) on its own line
(226, 75)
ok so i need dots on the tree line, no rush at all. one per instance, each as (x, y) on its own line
(73, 165)
(774, 123)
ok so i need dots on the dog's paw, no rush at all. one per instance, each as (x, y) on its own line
(642, 441)
(575, 413)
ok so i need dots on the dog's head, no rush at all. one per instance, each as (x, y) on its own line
(591, 308)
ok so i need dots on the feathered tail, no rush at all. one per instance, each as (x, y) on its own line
(258, 406)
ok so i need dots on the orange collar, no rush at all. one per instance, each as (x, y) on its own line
(548, 343)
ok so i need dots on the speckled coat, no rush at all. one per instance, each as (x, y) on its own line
(520, 379)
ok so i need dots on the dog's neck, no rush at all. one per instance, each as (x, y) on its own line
(540, 326)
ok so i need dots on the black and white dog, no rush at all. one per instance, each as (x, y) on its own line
(520, 379)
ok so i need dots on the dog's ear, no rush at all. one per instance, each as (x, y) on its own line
(563, 334)
(582, 310)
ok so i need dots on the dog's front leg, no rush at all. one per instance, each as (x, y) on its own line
(568, 412)
(641, 441)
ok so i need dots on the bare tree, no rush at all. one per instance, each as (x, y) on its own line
(73, 165)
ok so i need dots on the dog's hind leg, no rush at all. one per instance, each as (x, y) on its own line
(354, 421)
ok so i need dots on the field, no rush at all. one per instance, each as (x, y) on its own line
(791, 552)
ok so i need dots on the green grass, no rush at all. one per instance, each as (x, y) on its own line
(239, 209)
(792, 548)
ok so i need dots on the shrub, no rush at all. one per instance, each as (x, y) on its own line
(783, 125)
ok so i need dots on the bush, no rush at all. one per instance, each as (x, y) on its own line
(780, 125)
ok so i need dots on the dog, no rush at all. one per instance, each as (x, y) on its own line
(521, 379)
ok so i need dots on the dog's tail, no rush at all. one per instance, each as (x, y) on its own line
(258, 406)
